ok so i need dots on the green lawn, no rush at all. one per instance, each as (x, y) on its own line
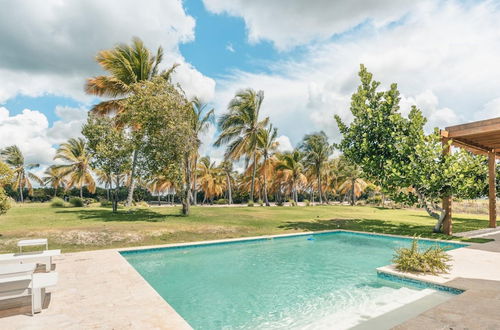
(75, 229)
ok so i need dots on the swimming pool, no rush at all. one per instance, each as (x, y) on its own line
(306, 281)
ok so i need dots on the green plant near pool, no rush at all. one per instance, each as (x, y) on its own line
(57, 202)
(76, 202)
(433, 260)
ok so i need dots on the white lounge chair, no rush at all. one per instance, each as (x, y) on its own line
(32, 242)
(20, 280)
(41, 257)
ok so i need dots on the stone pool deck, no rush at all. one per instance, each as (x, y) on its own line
(97, 290)
(101, 290)
(475, 269)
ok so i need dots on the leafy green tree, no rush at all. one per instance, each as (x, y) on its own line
(126, 65)
(240, 128)
(317, 150)
(394, 152)
(266, 146)
(6, 176)
(77, 171)
(168, 140)
(201, 121)
(14, 158)
(111, 149)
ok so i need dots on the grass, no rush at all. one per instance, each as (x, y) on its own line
(89, 228)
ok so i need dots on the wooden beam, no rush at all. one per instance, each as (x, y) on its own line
(492, 194)
(447, 200)
(478, 127)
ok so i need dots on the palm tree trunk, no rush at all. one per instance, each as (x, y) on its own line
(55, 191)
(159, 199)
(319, 186)
(132, 179)
(229, 192)
(21, 187)
(352, 193)
(252, 188)
(81, 191)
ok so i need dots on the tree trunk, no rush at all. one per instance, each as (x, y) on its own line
(55, 191)
(81, 192)
(438, 216)
(159, 199)
(195, 177)
(266, 200)
(229, 192)
(187, 193)
(132, 179)
(21, 188)
(252, 188)
(319, 186)
(114, 203)
(352, 194)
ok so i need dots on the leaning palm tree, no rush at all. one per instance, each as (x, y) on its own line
(54, 177)
(77, 170)
(227, 168)
(127, 65)
(353, 185)
(201, 121)
(293, 169)
(13, 157)
(212, 179)
(266, 146)
(317, 150)
(240, 128)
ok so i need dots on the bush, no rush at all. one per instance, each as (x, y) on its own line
(250, 203)
(57, 202)
(4, 201)
(374, 200)
(434, 260)
(76, 201)
(292, 202)
(307, 202)
(280, 203)
(221, 201)
(141, 204)
(260, 202)
(106, 203)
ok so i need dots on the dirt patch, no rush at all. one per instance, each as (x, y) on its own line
(100, 238)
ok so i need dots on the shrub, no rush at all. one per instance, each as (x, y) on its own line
(434, 260)
(142, 204)
(250, 203)
(260, 202)
(76, 201)
(4, 201)
(292, 202)
(280, 203)
(57, 202)
(221, 201)
(106, 203)
(307, 202)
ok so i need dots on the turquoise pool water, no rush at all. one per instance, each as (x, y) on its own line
(279, 283)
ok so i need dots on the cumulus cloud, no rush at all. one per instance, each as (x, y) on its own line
(444, 57)
(49, 46)
(289, 23)
(284, 143)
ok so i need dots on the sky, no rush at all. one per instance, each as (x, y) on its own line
(304, 55)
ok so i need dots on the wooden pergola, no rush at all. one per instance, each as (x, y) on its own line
(483, 138)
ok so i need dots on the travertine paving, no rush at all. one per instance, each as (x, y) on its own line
(99, 290)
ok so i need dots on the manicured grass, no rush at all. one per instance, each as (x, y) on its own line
(75, 229)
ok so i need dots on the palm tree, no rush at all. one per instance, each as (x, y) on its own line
(353, 184)
(77, 171)
(13, 157)
(317, 150)
(127, 65)
(201, 121)
(240, 128)
(292, 168)
(227, 168)
(266, 146)
(212, 179)
(159, 185)
(54, 177)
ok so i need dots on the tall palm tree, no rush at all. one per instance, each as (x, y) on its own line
(227, 168)
(292, 167)
(201, 121)
(159, 185)
(266, 146)
(127, 65)
(317, 150)
(54, 177)
(77, 171)
(353, 185)
(240, 128)
(13, 157)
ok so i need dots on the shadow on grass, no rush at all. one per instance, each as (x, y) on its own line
(121, 215)
(386, 227)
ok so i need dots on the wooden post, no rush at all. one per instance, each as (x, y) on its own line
(492, 189)
(447, 200)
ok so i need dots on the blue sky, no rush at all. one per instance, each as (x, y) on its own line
(304, 55)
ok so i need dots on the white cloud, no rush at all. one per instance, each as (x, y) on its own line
(49, 46)
(284, 143)
(444, 57)
(289, 23)
(230, 48)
